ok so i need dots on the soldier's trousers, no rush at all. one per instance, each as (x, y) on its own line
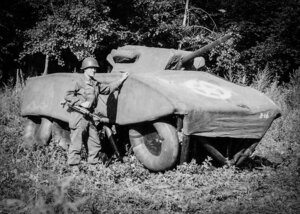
(84, 130)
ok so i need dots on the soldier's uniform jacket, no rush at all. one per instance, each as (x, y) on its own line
(87, 90)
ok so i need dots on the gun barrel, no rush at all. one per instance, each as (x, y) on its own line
(206, 48)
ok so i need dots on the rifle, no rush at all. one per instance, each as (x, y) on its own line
(99, 119)
(88, 113)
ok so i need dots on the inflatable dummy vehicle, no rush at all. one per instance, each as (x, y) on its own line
(167, 111)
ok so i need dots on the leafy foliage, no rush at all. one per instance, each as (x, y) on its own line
(225, 62)
(15, 17)
(78, 29)
(270, 34)
(81, 28)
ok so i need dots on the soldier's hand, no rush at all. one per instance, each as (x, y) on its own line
(85, 104)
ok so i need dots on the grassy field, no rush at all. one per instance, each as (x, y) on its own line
(39, 181)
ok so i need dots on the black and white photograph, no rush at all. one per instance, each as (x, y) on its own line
(149, 106)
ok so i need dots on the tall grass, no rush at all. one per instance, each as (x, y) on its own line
(39, 181)
(281, 142)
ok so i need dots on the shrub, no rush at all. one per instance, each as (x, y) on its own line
(281, 142)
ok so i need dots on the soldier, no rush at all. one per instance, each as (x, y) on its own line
(85, 95)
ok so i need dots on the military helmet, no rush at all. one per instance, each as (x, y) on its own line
(89, 62)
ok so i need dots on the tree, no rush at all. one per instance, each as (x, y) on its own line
(76, 28)
(269, 34)
(83, 29)
(267, 31)
(15, 17)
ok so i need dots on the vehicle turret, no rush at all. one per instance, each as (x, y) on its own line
(134, 58)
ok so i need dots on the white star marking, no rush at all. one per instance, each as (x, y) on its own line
(207, 89)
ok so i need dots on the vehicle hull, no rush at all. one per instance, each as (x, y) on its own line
(210, 106)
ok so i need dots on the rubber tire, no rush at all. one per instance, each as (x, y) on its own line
(44, 132)
(169, 149)
(30, 129)
(61, 134)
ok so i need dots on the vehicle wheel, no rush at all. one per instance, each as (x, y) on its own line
(155, 145)
(43, 134)
(31, 127)
(61, 134)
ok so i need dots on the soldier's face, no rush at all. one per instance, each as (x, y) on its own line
(90, 72)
